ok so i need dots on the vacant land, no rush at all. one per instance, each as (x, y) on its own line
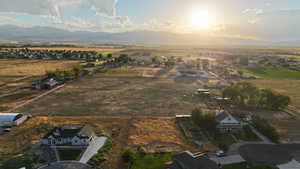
(22, 67)
(100, 94)
(155, 135)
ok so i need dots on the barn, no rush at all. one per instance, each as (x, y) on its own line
(11, 119)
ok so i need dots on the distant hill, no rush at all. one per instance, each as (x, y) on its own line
(50, 34)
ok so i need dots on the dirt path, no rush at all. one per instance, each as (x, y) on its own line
(36, 98)
(119, 143)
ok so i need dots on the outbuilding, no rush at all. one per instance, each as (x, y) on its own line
(11, 119)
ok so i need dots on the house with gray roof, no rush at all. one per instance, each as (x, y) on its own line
(69, 136)
(227, 123)
(188, 160)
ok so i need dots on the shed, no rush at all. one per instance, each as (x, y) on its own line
(11, 119)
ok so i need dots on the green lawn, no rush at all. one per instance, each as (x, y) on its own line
(151, 161)
(246, 165)
(274, 73)
(222, 140)
(69, 154)
(246, 134)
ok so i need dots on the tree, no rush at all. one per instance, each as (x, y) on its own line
(272, 100)
(204, 120)
(243, 94)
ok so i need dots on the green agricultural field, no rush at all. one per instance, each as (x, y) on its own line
(151, 161)
(274, 73)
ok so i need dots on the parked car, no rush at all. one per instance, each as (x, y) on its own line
(220, 153)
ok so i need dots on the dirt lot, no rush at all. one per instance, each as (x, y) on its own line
(113, 95)
(156, 135)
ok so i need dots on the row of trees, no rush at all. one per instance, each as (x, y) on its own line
(246, 95)
(65, 74)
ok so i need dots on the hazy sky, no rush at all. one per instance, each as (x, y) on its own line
(257, 19)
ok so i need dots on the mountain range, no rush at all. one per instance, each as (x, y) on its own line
(51, 34)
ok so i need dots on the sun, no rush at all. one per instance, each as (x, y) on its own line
(201, 20)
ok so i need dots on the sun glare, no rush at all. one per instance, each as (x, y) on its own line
(200, 20)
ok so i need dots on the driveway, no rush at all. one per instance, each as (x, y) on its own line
(291, 165)
(231, 159)
(92, 149)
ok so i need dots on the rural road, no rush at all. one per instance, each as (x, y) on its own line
(36, 98)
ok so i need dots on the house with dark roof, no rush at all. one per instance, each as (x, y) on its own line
(61, 136)
(188, 160)
(227, 123)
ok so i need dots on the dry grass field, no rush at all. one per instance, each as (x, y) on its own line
(32, 67)
(118, 95)
(156, 135)
(290, 87)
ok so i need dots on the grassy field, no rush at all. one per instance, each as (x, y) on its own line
(290, 87)
(151, 161)
(32, 67)
(102, 94)
(274, 73)
(156, 135)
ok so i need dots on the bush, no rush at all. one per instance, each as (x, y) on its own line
(98, 158)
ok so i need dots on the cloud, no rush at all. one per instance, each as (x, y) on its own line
(255, 11)
(52, 8)
(7, 19)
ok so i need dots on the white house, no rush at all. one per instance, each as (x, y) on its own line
(227, 123)
(61, 136)
(11, 119)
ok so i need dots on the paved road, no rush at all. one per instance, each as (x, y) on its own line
(291, 165)
(92, 149)
(231, 159)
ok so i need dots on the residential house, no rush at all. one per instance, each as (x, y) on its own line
(227, 123)
(188, 160)
(67, 135)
